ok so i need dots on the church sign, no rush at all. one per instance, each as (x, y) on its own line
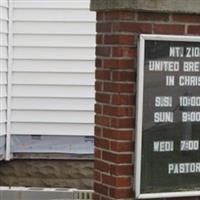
(168, 117)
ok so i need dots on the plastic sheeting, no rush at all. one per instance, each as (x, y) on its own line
(52, 144)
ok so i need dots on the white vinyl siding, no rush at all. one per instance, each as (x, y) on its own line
(53, 68)
(4, 12)
(47, 59)
(3, 64)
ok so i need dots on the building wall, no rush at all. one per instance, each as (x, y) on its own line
(47, 173)
(116, 64)
(3, 72)
(52, 45)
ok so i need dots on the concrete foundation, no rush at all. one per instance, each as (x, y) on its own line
(47, 173)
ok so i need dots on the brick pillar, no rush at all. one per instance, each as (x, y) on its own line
(116, 63)
(115, 107)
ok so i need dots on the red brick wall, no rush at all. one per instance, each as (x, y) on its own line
(116, 63)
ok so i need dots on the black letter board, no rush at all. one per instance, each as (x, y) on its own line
(168, 117)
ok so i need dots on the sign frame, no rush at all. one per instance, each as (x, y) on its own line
(139, 114)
